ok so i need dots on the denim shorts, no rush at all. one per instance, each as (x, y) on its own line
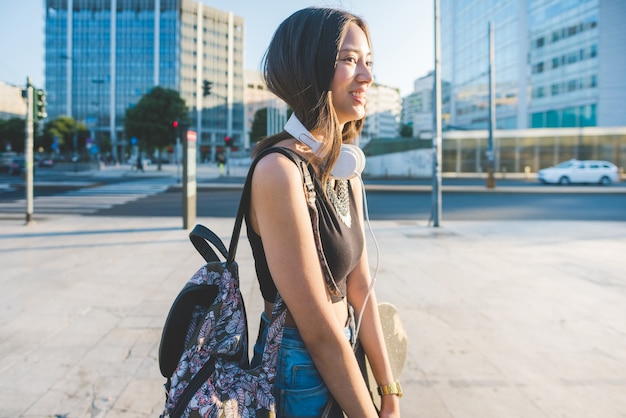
(299, 389)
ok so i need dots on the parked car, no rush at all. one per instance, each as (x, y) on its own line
(580, 171)
(46, 162)
(18, 166)
(6, 159)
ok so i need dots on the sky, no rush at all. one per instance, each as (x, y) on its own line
(402, 35)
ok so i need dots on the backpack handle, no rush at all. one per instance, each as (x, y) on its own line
(199, 237)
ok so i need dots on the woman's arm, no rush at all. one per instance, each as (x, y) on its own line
(371, 334)
(280, 214)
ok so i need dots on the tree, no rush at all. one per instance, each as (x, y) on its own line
(258, 129)
(150, 120)
(12, 134)
(406, 131)
(259, 126)
(62, 130)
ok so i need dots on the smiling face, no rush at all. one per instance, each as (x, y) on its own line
(353, 75)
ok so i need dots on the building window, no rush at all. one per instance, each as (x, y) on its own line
(554, 89)
(588, 115)
(570, 117)
(572, 58)
(571, 85)
(552, 119)
(571, 31)
(536, 120)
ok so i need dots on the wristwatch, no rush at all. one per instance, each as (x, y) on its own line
(390, 389)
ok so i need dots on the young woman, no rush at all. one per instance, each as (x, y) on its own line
(319, 62)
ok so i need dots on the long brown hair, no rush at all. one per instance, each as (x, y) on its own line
(299, 66)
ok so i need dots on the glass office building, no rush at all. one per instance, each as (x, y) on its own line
(558, 63)
(102, 56)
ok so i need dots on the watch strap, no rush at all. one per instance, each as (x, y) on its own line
(390, 389)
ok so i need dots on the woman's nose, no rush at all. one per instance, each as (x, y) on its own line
(365, 73)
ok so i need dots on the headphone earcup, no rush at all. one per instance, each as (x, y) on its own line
(350, 163)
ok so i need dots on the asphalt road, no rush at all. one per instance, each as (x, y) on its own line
(462, 199)
(413, 205)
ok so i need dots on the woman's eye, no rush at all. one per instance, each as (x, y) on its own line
(350, 59)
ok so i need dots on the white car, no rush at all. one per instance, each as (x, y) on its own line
(580, 171)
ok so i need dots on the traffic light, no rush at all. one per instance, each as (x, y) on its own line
(228, 141)
(40, 105)
(176, 129)
(206, 88)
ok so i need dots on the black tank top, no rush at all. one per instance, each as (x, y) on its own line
(342, 245)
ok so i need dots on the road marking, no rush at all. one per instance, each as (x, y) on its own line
(89, 200)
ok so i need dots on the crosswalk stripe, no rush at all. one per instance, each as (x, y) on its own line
(88, 200)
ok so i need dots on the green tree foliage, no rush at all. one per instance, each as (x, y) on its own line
(406, 131)
(64, 128)
(150, 120)
(12, 135)
(259, 126)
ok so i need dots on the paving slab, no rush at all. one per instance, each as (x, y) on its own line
(504, 319)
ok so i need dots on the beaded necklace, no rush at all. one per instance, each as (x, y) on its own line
(340, 198)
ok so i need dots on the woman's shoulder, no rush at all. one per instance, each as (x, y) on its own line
(291, 152)
(277, 166)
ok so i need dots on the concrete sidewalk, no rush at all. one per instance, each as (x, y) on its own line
(505, 319)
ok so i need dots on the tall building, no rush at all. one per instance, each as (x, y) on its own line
(417, 107)
(557, 63)
(383, 113)
(12, 104)
(102, 56)
(258, 97)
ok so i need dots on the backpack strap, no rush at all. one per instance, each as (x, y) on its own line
(309, 188)
(244, 203)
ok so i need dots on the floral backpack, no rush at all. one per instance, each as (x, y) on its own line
(204, 344)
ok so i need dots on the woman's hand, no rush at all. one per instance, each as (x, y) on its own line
(389, 406)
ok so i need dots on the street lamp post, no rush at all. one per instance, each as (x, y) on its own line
(437, 140)
(28, 151)
(98, 82)
(491, 181)
(68, 83)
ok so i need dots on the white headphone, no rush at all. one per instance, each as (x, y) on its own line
(351, 161)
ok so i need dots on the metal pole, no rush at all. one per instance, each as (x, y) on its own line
(491, 181)
(189, 178)
(99, 83)
(436, 189)
(177, 157)
(28, 151)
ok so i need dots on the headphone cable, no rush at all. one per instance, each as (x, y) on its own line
(371, 286)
